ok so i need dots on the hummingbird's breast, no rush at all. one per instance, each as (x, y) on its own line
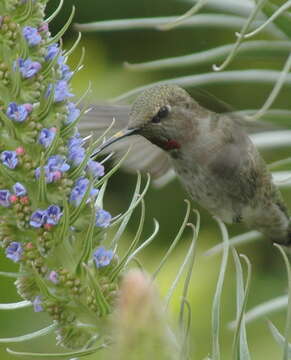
(204, 189)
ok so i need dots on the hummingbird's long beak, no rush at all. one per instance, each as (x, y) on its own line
(116, 137)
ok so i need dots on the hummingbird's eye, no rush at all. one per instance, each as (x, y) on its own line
(162, 113)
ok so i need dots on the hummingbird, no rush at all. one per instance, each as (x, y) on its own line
(211, 154)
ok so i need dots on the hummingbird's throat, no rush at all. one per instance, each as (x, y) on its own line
(167, 144)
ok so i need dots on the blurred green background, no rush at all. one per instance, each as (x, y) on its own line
(105, 53)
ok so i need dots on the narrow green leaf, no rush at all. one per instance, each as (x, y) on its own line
(103, 305)
(175, 242)
(113, 170)
(129, 212)
(288, 317)
(184, 302)
(145, 243)
(63, 30)
(256, 76)
(27, 337)
(200, 20)
(269, 20)
(240, 36)
(65, 221)
(115, 271)
(76, 43)
(14, 306)
(259, 48)
(8, 124)
(11, 274)
(282, 22)
(27, 11)
(55, 13)
(279, 337)
(88, 241)
(41, 182)
(264, 309)
(46, 104)
(240, 345)
(134, 205)
(58, 355)
(81, 60)
(179, 274)
(275, 91)
(236, 240)
(195, 230)
(218, 292)
(180, 19)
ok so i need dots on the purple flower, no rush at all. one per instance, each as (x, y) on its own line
(14, 251)
(76, 155)
(46, 136)
(54, 168)
(58, 162)
(74, 141)
(102, 257)
(62, 91)
(19, 189)
(73, 113)
(50, 176)
(9, 159)
(52, 51)
(102, 218)
(94, 168)
(28, 68)
(5, 198)
(76, 152)
(53, 214)
(18, 113)
(53, 277)
(79, 191)
(31, 35)
(66, 72)
(38, 218)
(37, 304)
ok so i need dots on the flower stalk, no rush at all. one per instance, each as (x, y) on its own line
(51, 220)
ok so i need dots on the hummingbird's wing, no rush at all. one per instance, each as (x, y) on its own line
(144, 156)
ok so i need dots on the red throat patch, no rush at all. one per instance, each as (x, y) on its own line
(171, 145)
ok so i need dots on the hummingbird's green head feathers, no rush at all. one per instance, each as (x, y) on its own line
(149, 103)
(159, 112)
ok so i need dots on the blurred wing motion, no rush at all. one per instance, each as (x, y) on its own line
(144, 156)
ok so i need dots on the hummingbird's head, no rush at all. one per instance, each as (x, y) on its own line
(163, 115)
